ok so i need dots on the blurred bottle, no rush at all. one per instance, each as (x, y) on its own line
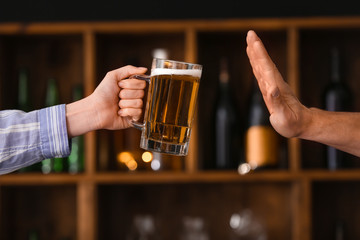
(23, 91)
(33, 235)
(143, 228)
(160, 161)
(161, 53)
(339, 230)
(337, 97)
(24, 104)
(194, 229)
(261, 140)
(52, 98)
(76, 158)
(225, 122)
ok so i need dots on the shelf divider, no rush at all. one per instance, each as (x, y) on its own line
(87, 211)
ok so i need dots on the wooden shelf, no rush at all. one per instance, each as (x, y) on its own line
(168, 177)
(199, 177)
(40, 179)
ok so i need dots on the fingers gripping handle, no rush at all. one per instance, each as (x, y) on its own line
(135, 124)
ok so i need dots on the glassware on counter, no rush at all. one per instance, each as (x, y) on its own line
(246, 226)
(143, 228)
(194, 229)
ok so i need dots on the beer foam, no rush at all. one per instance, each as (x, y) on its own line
(168, 71)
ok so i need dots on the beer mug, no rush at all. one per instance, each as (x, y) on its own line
(170, 106)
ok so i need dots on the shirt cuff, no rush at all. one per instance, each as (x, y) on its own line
(53, 132)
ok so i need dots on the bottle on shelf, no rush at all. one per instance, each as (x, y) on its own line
(52, 98)
(339, 230)
(33, 235)
(76, 158)
(161, 53)
(160, 161)
(262, 149)
(23, 91)
(225, 123)
(24, 104)
(337, 97)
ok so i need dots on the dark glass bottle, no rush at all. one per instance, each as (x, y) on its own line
(24, 104)
(76, 158)
(261, 140)
(23, 91)
(225, 123)
(337, 97)
(33, 235)
(52, 98)
(339, 230)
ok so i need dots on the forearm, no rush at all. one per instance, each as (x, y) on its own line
(337, 129)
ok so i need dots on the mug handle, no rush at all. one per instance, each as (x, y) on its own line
(146, 78)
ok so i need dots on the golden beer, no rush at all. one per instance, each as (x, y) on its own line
(170, 110)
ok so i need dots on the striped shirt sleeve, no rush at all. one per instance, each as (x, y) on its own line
(27, 138)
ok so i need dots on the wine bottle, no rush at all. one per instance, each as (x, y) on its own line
(337, 97)
(52, 98)
(76, 158)
(261, 140)
(225, 122)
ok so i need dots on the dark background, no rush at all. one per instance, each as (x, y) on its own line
(107, 10)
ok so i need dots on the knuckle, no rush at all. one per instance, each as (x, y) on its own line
(109, 74)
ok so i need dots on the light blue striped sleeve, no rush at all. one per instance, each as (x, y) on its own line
(27, 138)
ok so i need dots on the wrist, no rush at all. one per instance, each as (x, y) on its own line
(311, 126)
(81, 117)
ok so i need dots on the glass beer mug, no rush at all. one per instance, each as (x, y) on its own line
(170, 106)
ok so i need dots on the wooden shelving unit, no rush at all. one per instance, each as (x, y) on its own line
(301, 201)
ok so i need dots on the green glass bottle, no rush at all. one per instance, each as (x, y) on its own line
(52, 98)
(24, 104)
(76, 158)
(23, 91)
(33, 235)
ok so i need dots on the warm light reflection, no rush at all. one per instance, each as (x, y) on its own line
(127, 159)
(124, 157)
(244, 168)
(132, 165)
(147, 157)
